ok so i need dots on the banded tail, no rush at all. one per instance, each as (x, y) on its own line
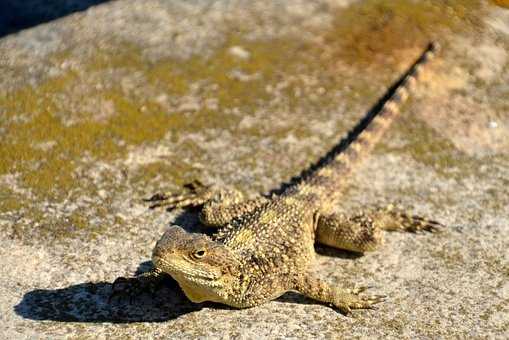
(329, 178)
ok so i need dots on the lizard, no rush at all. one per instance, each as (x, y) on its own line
(262, 248)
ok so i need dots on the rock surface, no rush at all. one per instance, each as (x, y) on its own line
(104, 107)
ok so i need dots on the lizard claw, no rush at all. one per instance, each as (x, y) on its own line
(155, 197)
(195, 185)
(421, 224)
(395, 218)
(354, 300)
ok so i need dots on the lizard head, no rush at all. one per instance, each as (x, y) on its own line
(203, 268)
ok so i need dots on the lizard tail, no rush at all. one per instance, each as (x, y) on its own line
(366, 134)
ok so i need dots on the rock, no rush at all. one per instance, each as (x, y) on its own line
(239, 52)
(105, 107)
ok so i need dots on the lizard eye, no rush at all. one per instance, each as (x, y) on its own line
(199, 254)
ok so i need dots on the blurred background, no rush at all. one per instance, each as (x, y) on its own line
(17, 15)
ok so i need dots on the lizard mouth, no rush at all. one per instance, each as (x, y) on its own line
(181, 270)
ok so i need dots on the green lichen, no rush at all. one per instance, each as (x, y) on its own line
(119, 55)
(172, 171)
(9, 200)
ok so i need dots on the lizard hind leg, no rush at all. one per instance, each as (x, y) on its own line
(344, 299)
(363, 232)
(358, 233)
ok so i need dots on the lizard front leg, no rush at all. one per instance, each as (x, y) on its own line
(134, 286)
(342, 298)
(363, 231)
(219, 205)
(194, 194)
(357, 233)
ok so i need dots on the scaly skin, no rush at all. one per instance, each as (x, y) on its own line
(264, 247)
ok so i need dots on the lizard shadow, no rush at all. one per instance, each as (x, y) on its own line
(188, 219)
(89, 302)
(335, 252)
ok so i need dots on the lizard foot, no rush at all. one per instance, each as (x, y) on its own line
(420, 224)
(352, 299)
(195, 193)
(393, 218)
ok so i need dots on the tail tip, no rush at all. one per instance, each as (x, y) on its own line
(433, 46)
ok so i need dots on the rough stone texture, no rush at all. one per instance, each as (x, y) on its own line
(107, 106)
